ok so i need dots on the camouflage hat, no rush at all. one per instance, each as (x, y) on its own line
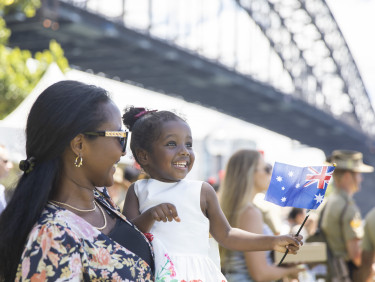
(349, 160)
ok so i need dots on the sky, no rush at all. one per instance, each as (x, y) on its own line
(356, 21)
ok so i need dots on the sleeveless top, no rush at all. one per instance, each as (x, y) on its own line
(186, 242)
(236, 269)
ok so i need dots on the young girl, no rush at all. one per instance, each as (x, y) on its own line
(181, 213)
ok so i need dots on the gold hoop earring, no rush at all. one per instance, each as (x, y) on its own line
(78, 161)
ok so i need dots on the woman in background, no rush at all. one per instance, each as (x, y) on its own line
(246, 175)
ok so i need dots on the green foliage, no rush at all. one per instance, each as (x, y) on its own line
(19, 70)
(27, 7)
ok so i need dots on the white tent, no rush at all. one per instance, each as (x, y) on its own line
(214, 133)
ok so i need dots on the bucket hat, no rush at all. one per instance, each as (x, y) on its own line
(349, 160)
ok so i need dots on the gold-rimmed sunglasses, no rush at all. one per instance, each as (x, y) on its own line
(121, 135)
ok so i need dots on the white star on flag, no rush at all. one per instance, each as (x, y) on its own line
(283, 188)
(279, 178)
(298, 185)
(290, 173)
(319, 198)
(283, 199)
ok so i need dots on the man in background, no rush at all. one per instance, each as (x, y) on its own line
(366, 271)
(341, 221)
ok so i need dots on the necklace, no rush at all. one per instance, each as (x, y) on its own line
(105, 219)
(90, 210)
(80, 210)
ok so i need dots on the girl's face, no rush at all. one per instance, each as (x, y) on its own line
(262, 176)
(103, 153)
(172, 155)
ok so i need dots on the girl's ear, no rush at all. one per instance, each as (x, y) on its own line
(77, 144)
(142, 157)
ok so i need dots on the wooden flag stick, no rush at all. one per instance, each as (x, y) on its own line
(299, 230)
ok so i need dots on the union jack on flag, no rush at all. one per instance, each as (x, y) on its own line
(299, 187)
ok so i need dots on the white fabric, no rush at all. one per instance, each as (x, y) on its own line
(3, 202)
(187, 242)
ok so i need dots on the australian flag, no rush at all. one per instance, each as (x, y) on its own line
(299, 187)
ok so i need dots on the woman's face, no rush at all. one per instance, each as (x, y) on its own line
(262, 176)
(102, 154)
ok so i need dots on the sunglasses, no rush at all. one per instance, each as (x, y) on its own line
(121, 135)
(267, 168)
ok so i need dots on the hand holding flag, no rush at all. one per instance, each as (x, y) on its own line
(299, 187)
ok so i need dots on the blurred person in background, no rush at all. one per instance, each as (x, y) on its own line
(270, 212)
(123, 178)
(5, 167)
(366, 272)
(246, 175)
(341, 220)
(60, 224)
(296, 217)
(132, 174)
(118, 190)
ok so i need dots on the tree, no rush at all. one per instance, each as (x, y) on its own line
(20, 71)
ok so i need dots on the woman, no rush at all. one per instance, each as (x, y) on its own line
(59, 225)
(246, 175)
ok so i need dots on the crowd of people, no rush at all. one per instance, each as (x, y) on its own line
(76, 214)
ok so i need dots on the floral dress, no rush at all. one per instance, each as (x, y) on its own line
(64, 247)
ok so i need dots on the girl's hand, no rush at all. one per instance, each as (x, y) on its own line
(290, 242)
(164, 212)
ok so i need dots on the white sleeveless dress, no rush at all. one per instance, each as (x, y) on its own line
(186, 243)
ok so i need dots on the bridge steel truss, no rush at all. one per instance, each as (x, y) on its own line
(302, 33)
(313, 50)
(93, 42)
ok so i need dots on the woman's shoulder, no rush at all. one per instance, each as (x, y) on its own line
(251, 219)
(52, 230)
(251, 212)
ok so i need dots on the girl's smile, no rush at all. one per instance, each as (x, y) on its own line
(171, 157)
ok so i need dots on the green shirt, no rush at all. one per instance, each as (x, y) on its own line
(368, 242)
(338, 234)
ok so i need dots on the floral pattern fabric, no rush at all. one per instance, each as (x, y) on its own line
(64, 247)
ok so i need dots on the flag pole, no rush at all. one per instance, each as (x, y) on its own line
(299, 230)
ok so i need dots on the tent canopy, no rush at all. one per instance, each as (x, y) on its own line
(214, 133)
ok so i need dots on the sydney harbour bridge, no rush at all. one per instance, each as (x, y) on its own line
(280, 64)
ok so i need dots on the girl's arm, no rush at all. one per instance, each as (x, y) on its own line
(162, 212)
(251, 220)
(237, 239)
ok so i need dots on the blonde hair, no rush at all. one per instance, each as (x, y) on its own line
(237, 187)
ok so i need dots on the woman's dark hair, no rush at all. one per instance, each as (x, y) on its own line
(145, 126)
(60, 113)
